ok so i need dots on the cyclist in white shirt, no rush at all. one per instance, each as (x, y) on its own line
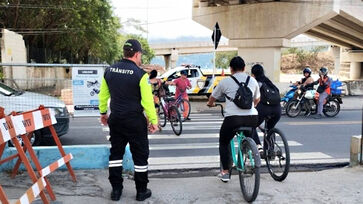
(235, 117)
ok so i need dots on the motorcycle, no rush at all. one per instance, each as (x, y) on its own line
(94, 91)
(307, 100)
(287, 97)
(93, 83)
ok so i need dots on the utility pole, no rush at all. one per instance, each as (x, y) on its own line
(361, 140)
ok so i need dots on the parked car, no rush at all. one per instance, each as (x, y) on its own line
(13, 99)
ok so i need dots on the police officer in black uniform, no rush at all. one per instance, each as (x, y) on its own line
(130, 91)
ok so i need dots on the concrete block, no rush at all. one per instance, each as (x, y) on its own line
(355, 87)
(85, 157)
(355, 148)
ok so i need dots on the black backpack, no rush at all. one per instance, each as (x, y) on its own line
(243, 97)
(270, 94)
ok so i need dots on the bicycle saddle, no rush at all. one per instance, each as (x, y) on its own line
(243, 129)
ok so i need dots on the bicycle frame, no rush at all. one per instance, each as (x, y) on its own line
(166, 106)
(240, 138)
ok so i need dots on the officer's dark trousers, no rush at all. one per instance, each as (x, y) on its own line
(130, 129)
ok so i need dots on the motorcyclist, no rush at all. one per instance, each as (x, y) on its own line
(308, 79)
(323, 89)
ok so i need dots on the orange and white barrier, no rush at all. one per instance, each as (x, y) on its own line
(7, 130)
(54, 166)
(31, 121)
(32, 192)
(24, 125)
(3, 198)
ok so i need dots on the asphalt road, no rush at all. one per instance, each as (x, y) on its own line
(311, 140)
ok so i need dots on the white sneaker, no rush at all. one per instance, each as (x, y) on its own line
(224, 177)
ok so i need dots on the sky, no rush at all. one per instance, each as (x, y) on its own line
(166, 18)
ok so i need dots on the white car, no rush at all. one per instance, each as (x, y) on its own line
(19, 101)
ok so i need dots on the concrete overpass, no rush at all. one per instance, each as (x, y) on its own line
(260, 30)
(171, 51)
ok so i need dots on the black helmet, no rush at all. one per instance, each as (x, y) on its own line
(307, 70)
(323, 71)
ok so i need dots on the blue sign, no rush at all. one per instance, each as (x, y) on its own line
(94, 102)
(78, 82)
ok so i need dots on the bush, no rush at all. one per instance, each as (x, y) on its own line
(295, 59)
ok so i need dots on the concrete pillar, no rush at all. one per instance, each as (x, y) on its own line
(174, 57)
(336, 53)
(167, 61)
(269, 58)
(355, 70)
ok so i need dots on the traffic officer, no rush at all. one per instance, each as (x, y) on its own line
(130, 91)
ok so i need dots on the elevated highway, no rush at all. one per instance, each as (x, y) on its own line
(260, 29)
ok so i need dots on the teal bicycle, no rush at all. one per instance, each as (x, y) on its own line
(246, 160)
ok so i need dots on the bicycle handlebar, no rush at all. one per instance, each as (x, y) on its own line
(220, 105)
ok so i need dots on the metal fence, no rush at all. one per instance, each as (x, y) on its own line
(26, 86)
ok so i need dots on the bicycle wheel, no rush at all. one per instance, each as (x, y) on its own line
(182, 106)
(162, 117)
(175, 121)
(249, 176)
(277, 154)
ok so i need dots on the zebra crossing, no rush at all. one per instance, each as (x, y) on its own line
(197, 146)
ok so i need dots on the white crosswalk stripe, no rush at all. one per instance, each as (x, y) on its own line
(168, 151)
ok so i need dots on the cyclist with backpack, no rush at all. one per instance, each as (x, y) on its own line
(269, 104)
(243, 94)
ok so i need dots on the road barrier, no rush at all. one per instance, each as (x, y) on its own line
(24, 125)
(7, 132)
(32, 192)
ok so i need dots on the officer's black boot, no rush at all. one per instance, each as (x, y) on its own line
(116, 194)
(141, 196)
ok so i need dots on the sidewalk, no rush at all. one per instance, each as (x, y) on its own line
(342, 185)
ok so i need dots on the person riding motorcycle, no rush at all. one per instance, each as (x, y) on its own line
(323, 89)
(308, 79)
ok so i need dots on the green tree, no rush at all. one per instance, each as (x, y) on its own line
(148, 52)
(223, 58)
(80, 31)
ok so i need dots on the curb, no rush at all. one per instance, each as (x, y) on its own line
(96, 157)
(213, 171)
(84, 157)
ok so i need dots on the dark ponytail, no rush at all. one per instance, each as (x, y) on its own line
(257, 70)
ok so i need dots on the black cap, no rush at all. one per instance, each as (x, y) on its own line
(133, 45)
